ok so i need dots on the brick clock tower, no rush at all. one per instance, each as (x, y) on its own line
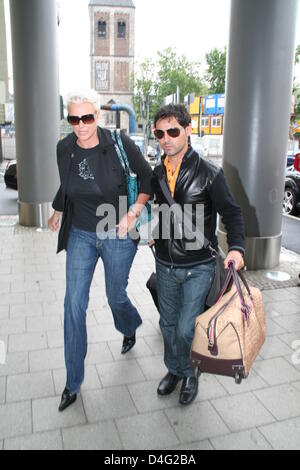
(112, 53)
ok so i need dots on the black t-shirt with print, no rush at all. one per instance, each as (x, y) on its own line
(84, 188)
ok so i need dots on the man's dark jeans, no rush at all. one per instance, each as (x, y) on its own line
(181, 294)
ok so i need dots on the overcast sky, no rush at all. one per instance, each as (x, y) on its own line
(193, 27)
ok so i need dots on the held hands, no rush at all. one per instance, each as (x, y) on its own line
(54, 222)
(235, 257)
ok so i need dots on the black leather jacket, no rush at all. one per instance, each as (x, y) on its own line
(198, 182)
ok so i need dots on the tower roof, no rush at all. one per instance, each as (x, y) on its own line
(113, 3)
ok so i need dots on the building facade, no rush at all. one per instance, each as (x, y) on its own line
(112, 54)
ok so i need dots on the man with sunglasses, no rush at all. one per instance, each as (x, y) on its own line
(92, 177)
(185, 270)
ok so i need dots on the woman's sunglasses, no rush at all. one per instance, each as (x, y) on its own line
(86, 119)
(159, 134)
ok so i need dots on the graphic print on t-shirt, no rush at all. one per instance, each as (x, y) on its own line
(85, 171)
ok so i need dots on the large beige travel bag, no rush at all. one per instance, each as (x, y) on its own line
(229, 336)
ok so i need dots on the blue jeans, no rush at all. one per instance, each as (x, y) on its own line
(83, 252)
(181, 295)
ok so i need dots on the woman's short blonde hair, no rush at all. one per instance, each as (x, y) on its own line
(86, 95)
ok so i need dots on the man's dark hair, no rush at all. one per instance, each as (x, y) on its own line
(178, 111)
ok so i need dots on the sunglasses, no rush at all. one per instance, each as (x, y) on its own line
(175, 132)
(86, 119)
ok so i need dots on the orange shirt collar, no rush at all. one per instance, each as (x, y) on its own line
(172, 178)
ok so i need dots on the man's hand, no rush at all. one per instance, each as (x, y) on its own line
(54, 222)
(237, 258)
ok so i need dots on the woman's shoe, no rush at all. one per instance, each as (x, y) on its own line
(67, 399)
(128, 343)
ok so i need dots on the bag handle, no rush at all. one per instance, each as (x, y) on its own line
(235, 275)
(244, 281)
(225, 286)
(116, 137)
(151, 245)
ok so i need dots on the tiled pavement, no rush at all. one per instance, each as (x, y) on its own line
(118, 407)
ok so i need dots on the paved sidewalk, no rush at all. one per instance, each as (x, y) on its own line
(118, 407)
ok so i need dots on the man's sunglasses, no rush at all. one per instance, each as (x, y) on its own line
(175, 132)
(86, 119)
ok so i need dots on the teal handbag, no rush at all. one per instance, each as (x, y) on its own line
(132, 182)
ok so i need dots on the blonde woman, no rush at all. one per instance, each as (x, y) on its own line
(91, 175)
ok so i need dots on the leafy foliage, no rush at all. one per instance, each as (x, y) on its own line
(159, 78)
(216, 71)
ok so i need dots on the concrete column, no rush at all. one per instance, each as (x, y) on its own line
(3, 71)
(258, 102)
(36, 91)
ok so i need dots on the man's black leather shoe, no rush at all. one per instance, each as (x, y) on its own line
(128, 343)
(168, 384)
(189, 390)
(67, 399)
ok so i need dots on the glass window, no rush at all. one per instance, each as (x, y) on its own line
(121, 29)
(102, 29)
(216, 122)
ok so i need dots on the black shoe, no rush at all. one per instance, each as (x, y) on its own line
(189, 390)
(67, 399)
(168, 384)
(128, 343)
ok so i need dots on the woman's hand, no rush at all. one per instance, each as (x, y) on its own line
(54, 222)
(127, 223)
(235, 257)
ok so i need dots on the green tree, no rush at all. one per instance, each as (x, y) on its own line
(297, 55)
(159, 78)
(216, 70)
(143, 84)
(173, 71)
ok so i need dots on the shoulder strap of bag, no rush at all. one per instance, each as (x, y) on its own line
(178, 212)
(119, 147)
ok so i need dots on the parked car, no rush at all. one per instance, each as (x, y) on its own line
(291, 200)
(290, 160)
(10, 175)
(151, 152)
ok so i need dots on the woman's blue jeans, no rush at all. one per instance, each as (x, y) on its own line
(181, 295)
(83, 252)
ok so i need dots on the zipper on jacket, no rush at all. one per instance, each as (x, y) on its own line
(170, 241)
